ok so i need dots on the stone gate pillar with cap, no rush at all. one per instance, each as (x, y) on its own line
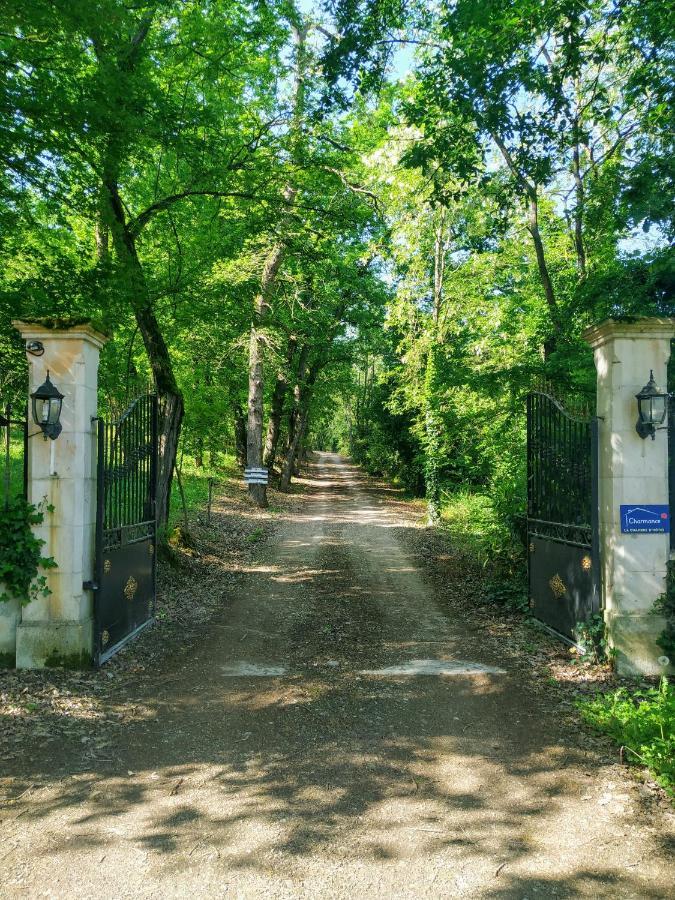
(57, 629)
(631, 471)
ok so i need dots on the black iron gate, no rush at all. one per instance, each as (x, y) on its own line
(125, 527)
(14, 444)
(562, 515)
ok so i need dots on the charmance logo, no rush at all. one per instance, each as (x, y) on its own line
(653, 518)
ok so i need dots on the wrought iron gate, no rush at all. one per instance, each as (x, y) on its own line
(562, 515)
(125, 527)
(14, 444)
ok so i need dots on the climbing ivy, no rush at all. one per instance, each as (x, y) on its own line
(21, 552)
(592, 643)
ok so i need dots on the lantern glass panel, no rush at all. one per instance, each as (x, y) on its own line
(658, 409)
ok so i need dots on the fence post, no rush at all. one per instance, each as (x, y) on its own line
(632, 472)
(57, 629)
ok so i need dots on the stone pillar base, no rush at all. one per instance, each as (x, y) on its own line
(634, 641)
(68, 645)
(10, 615)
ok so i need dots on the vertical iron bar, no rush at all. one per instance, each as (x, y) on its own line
(138, 443)
(595, 516)
(8, 414)
(671, 463)
(530, 489)
(100, 520)
(25, 454)
(153, 491)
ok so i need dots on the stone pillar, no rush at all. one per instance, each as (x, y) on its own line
(631, 471)
(57, 629)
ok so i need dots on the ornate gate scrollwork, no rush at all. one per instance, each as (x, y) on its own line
(562, 515)
(125, 527)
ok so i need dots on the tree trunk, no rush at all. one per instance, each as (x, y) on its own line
(544, 275)
(288, 468)
(439, 270)
(170, 398)
(171, 407)
(240, 436)
(432, 450)
(529, 192)
(297, 393)
(300, 425)
(579, 212)
(254, 430)
(254, 441)
(113, 224)
(257, 492)
(277, 408)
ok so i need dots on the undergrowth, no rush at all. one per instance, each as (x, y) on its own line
(195, 482)
(475, 526)
(478, 530)
(643, 723)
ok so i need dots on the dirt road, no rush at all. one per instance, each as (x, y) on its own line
(338, 734)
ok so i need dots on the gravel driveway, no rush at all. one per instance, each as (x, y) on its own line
(338, 733)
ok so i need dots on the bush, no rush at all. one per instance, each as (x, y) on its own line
(643, 722)
(476, 527)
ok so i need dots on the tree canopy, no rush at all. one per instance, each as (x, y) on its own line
(301, 241)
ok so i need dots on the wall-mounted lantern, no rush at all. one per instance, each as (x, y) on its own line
(652, 408)
(47, 401)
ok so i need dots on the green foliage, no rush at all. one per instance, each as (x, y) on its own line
(20, 552)
(196, 484)
(471, 521)
(643, 722)
(591, 637)
(666, 606)
(511, 594)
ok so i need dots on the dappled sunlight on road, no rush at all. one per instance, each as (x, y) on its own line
(337, 734)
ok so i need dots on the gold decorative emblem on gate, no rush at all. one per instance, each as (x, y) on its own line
(105, 637)
(557, 585)
(107, 567)
(151, 548)
(586, 563)
(531, 547)
(130, 588)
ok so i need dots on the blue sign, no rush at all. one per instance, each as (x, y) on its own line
(647, 518)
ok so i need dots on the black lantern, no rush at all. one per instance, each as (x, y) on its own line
(47, 400)
(652, 408)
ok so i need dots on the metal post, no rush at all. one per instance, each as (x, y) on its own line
(208, 512)
(8, 417)
(154, 425)
(100, 521)
(595, 516)
(25, 454)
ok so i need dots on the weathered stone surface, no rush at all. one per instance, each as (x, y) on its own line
(62, 477)
(631, 470)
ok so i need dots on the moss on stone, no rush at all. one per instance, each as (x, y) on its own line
(61, 323)
(81, 660)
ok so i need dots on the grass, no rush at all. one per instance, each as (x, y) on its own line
(195, 482)
(643, 723)
(478, 531)
(475, 527)
(15, 466)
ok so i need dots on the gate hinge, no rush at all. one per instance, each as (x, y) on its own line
(90, 585)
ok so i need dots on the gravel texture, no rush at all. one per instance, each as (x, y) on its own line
(191, 767)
